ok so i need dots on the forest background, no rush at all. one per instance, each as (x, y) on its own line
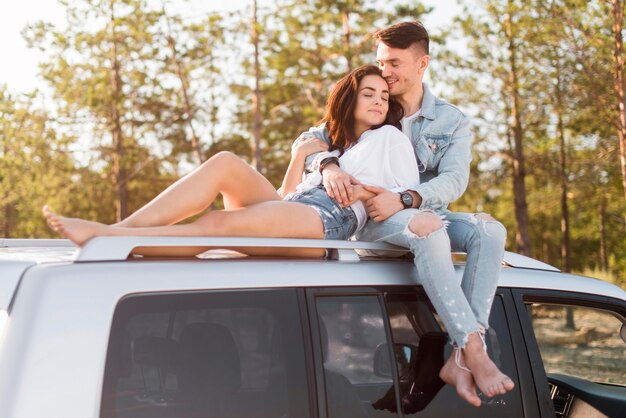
(138, 93)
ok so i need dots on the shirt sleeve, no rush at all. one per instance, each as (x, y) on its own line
(312, 162)
(402, 163)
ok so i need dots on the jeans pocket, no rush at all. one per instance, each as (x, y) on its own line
(350, 222)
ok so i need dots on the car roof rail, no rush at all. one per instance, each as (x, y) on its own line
(521, 261)
(120, 248)
(34, 242)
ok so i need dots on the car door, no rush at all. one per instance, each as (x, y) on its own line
(373, 346)
(579, 352)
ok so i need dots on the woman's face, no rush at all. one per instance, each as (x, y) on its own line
(372, 103)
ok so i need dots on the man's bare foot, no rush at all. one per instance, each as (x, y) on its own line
(489, 379)
(77, 230)
(461, 380)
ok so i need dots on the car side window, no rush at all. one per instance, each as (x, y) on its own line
(352, 334)
(219, 354)
(579, 341)
(421, 347)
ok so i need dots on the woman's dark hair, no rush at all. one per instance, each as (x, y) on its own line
(339, 117)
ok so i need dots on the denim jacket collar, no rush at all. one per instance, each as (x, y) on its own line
(428, 103)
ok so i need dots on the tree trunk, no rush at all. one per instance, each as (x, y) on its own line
(187, 107)
(213, 108)
(256, 98)
(6, 225)
(565, 247)
(6, 207)
(569, 318)
(618, 83)
(565, 232)
(119, 169)
(522, 236)
(346, 38)
(544, 244)
(604, 265)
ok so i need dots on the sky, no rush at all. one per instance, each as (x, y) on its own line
(19, 64)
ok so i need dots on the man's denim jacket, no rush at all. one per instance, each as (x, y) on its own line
(442, 137)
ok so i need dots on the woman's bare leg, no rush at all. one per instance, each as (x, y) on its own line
(224, 173)
(267, 219)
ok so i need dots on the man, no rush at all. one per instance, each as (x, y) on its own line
(419, 219)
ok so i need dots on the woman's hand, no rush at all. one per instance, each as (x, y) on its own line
(359, 193)
(308, 146)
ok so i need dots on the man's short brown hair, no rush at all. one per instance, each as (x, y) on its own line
(403, 35)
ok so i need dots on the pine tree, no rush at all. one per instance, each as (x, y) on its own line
(104, 73)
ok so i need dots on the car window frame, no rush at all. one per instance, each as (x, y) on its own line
(523, 296)
(535, 397)
(311, 295)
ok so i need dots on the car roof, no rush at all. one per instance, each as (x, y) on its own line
(17, 255)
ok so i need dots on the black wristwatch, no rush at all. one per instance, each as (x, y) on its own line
(407, 199)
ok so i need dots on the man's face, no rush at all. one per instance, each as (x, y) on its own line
(403, 69)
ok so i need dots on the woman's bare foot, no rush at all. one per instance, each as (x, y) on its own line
(489, 379)
(77, 230)
(461, 380)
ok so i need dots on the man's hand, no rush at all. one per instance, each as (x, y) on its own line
(338, 184)
(359, 193)
(383, 205)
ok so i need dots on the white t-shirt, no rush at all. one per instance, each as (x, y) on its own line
(382, 157)
(406, 123)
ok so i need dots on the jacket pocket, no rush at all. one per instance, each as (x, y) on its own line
(431, 148)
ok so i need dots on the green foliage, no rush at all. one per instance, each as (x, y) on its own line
(35, 166)
(564, 71)
(114, 76)
(602, 275)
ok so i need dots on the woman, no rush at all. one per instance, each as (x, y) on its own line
(360, 118)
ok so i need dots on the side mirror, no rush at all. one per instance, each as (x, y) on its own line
(405, 355)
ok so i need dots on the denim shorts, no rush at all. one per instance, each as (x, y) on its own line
(339, 223)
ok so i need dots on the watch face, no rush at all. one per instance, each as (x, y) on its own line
(407, 199)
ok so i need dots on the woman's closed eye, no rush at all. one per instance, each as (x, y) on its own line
(369, 95)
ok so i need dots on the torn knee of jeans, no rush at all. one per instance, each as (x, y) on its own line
(425, 223)
(485, 219)
(481, 216)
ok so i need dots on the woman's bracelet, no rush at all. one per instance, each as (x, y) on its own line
(328, 160)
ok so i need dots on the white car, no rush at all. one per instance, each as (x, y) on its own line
(96, 332)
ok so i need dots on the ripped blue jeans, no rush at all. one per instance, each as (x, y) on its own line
(463, 307)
